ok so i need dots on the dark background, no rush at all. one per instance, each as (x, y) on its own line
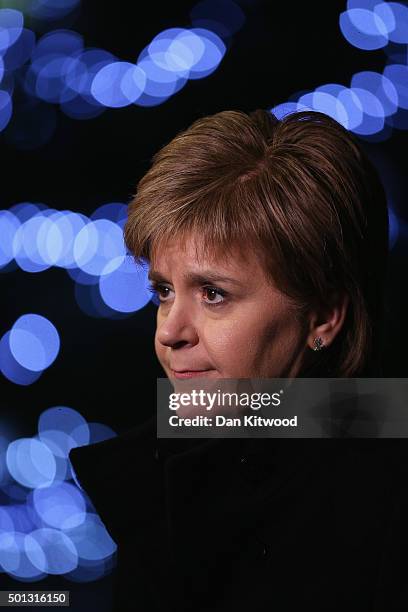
(107, 369)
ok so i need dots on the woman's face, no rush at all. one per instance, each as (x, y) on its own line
(221, 318)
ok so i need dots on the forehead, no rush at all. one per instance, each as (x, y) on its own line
(191, 252)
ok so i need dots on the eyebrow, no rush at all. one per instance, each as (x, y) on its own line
(197, 278)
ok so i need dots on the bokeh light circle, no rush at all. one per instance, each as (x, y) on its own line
(61, 505)
(34, 342)
(31, 463)
(14, 559)
(51, 551)
(124, 287)
(11, 26)
(66, 420)
(91, 539)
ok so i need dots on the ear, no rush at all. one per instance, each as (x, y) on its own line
(328, 320)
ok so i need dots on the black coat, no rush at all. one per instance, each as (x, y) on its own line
(252, 524)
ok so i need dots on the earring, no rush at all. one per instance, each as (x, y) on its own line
(318, 344)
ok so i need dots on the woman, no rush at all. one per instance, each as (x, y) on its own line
(267, 242)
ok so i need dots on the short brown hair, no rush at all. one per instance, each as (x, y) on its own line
(301, 191)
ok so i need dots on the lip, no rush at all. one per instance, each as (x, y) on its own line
(189, 373)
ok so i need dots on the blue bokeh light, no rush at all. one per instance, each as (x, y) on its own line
(89, 571)
(83, 66)
(25, 245)
(97, 245)
(4, 475)
(160, 82)
(86, 81)
(98, 432)
(11, 369)
(15, 492)
(368, 22)
(114, 211)
(68, 225)
(90, 301)
(348, 110)
(172, 54)
(52, 10)
(380, 86)
(50, 82)
(50, 64)
(6, 109)
(49, 526)
(91, 539)
(395, 17)
(11, 26)
(49, 239)
(57, 69)
(46, 239)
(125, 288)
(363, 29)
(395, 53)
(31, 463)
(34, 342)
(107, 84)
(214, 51)
(6, 519)
(22, 340)
(133, 84)
(353, 106)
(387, 17)
(185, 51)
(373, 112)
(82, 278)
(8, 83)
(59, 442)
(20, 52)
(25, 210)
(357, 108)
(325, 102)
(14, 559)
(285, 108)
(9, 225)
(57, 42)
(81, 71)
(398, 75)
(51, 551)
(66, 420)
(368, 5)
(23, 518)
(61, 505)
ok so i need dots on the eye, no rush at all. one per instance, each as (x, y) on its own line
(213, 292)
(159, 291)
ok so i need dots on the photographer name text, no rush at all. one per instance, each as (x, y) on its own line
(223, 421)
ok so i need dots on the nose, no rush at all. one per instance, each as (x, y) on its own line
(177, 327)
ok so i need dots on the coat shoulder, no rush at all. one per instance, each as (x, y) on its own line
(105, 471)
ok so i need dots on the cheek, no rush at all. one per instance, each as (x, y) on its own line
(219, 340)
(158, 346)
(244, 346)
(228, 343)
